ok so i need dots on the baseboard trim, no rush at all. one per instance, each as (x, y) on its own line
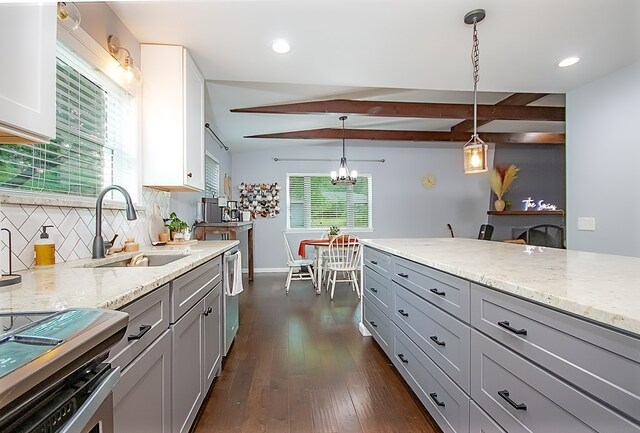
(266, 270)
(363, 330)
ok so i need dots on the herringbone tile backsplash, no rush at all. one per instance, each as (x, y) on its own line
(73, 228)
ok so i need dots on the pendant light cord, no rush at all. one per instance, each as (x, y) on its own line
(475, 59)
(343, 118)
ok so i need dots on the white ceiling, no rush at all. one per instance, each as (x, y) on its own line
(375, 49)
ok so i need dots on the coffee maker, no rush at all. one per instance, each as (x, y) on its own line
(234, 213)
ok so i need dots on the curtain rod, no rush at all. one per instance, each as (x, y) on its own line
(324, 160)
(220, 143)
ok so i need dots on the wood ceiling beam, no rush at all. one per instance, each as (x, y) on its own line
(425, 110)
(394, 135)
(518, 99)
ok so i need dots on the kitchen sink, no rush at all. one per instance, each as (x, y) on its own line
(152, 260)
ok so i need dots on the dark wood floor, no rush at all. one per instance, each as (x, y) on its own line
(300, 365)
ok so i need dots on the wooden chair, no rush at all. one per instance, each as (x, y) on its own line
(297, 264)
(344, 256)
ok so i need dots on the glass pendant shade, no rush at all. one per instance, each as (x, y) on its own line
(475, 154)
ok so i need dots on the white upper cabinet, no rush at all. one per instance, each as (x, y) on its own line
(172, 119)
(28, 72)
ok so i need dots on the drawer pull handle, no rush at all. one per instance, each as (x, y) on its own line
(402, 358)
(403, 275)
(207, 311)
(373, 323)
(434, 338)
(518, 406)
(373, 262)
(434, 397)
(374, 290)
(505, 325)
(143, 330)
(434, 290)
(403, 313)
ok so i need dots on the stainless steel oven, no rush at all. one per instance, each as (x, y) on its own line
(53, 377)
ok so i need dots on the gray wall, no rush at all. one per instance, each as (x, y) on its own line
(541, 177)
(401, 206)
(603, 152)
(100, 21)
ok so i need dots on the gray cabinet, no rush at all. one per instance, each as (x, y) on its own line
(480, 422)
(188, 355)
(378, 324)
(188, 289)
(196, 342)
(522, 397)
(142, 397)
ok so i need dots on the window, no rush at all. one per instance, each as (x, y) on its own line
(95, 143)
(313, 202)
(211, 176)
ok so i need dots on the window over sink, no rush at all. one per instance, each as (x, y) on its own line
(96, 138)
(314, 203)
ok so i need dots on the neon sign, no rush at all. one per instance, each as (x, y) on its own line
(531, 204)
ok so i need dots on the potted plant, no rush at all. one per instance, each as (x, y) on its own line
(500, 181)
(176, 226)
(333, 231)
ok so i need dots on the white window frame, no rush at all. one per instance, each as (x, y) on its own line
(324, 229)
(208, 154)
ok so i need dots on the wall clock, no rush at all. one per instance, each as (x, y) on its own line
(429, 181)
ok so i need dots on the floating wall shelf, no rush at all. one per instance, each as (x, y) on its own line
(525, 212)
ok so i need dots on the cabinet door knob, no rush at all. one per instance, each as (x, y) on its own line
(505, 325)
(189, 174)
(373, 289)
(505, 395)
(434, 397)
(207, 311)
(434, 338)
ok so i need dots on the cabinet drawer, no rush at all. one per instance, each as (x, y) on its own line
(480, 422)
(522, 397)
(148, 318)
(598, 360)
(377, 289)
(443, 290)
(446, 403)
(378, 324)
(189, 288)
(446, 340)
(142, 396)
(378, 261)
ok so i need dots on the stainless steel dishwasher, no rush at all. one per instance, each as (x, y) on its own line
(231, 310)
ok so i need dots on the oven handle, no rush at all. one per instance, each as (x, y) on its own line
(231, 257)
(92, 404)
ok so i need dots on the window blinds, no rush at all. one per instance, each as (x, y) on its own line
(313, 202)
(95, 143)
(211, 176)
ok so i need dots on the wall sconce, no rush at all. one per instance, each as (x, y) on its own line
(130, 70)
(68, 15)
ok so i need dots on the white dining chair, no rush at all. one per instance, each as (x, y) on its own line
(344, 257)
(295, 264)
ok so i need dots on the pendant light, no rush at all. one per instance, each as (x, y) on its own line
(343, 176)
(475, 151)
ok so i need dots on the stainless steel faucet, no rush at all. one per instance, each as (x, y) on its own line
(99, 245)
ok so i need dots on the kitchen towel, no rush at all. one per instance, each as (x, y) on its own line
(235, 287)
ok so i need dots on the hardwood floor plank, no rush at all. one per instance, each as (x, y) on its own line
(299, 365)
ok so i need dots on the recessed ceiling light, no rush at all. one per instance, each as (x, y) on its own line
(280, 46)
(569, 61)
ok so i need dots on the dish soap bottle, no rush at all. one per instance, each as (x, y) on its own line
(44, 249)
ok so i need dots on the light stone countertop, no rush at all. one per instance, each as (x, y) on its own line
(73, 284)
(601, 287)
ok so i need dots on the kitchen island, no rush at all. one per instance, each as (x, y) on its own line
(500, 337)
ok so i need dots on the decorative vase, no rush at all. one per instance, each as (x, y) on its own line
(499, 205)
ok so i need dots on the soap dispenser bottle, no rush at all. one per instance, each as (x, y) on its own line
(45, 249)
